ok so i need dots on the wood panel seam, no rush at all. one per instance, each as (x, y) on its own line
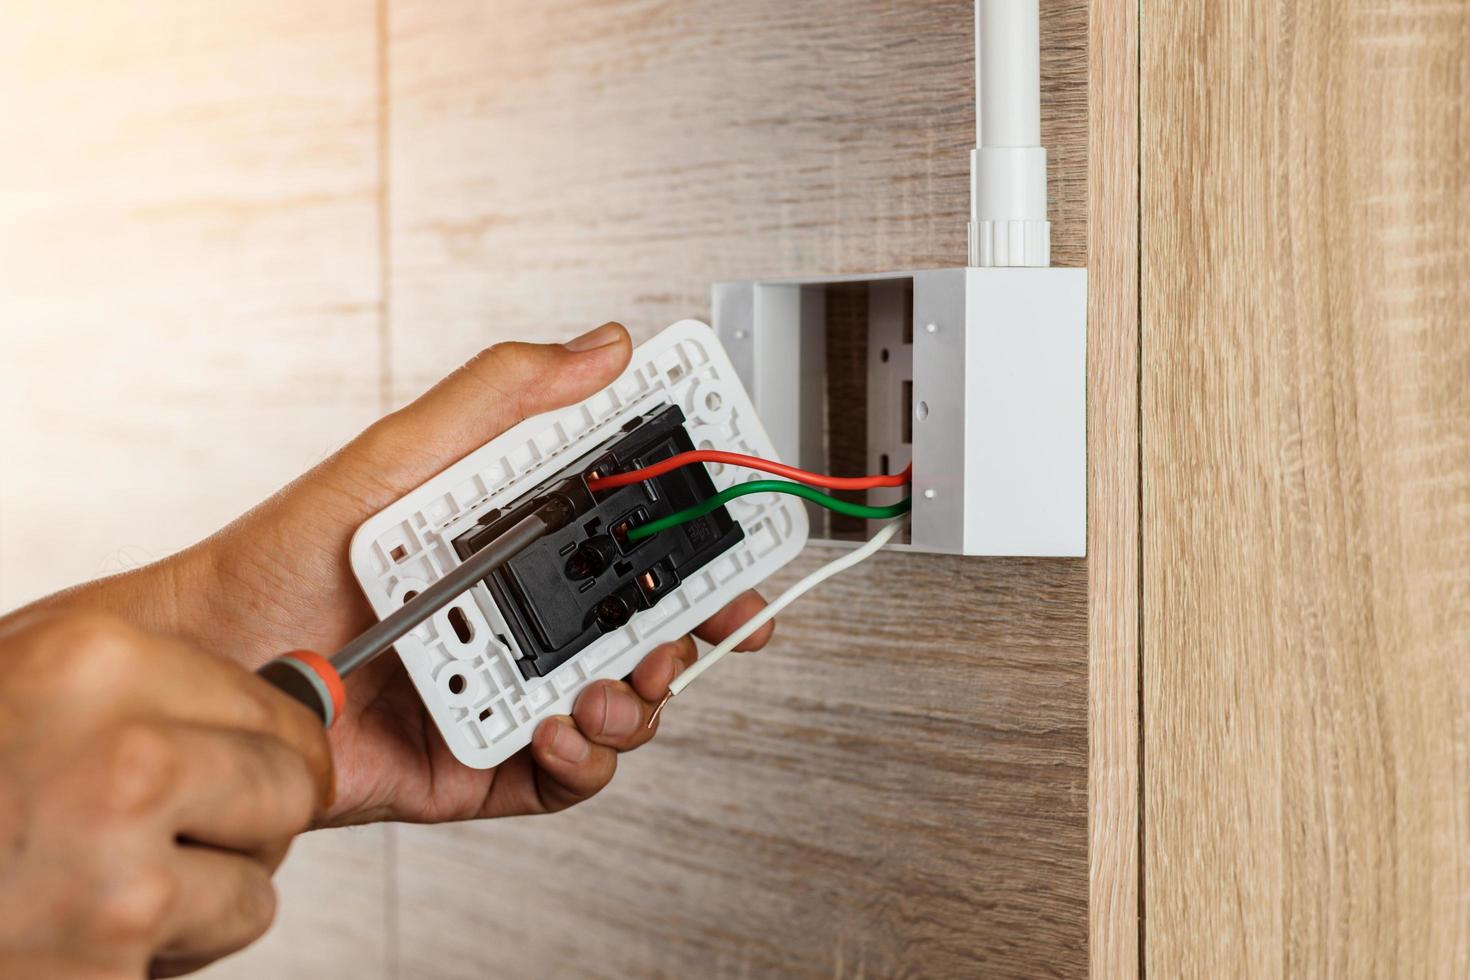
(1142, 771)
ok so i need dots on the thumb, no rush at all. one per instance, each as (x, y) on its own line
(494, 390)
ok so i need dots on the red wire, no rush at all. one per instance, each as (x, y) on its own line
(750, 462)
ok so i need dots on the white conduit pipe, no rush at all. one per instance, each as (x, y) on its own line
(1008, 225)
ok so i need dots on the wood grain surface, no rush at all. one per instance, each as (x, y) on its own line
(1306, 487)
(899, 786)
(227, 244)
(187, 238)
(188, 318)
(1114, 900)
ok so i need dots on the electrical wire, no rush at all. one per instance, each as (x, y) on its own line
(767, 486)
(613, 481)
(872, 547)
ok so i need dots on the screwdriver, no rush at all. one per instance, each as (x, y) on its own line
(316, 681)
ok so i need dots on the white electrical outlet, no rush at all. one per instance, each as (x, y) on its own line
(465, 661)
(985, 371)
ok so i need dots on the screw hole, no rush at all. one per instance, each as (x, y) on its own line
(461, 624)
(409, 596)
(712, 401)
(456, 683)
(922, 411)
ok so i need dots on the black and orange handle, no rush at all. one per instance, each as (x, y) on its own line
(311, 679)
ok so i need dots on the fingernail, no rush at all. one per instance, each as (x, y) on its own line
(620, 714)
(568, 743)
(606, 334)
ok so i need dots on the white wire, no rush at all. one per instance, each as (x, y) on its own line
(786, 598)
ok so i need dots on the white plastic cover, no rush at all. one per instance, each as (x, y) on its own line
(483, 706)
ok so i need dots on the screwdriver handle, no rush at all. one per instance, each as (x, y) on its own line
(311, 679)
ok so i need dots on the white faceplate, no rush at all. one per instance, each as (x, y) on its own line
(484, 708)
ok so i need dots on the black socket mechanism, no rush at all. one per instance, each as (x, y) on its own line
(586, 579)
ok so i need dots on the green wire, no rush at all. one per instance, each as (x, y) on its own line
(767, 486)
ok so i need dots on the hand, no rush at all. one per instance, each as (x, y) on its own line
(147, 792)
(278, 579)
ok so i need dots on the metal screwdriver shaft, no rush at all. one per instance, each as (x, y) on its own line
(317, 682)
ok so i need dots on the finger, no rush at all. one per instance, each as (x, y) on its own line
(183, 684)
(569, 767)
(242, 791)
(611, 713)
(494, 390)
(653, 675)
(732, 617)
(224, 902)
(301, 730)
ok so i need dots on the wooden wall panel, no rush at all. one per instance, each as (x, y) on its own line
(1112, 496)
(1306, 506)
(900, 785)
(559, 162)
(188, 239)
(189, 317)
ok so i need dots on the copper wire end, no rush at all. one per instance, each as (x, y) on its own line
(654, 717)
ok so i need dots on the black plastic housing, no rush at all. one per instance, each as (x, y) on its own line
(574, 585)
